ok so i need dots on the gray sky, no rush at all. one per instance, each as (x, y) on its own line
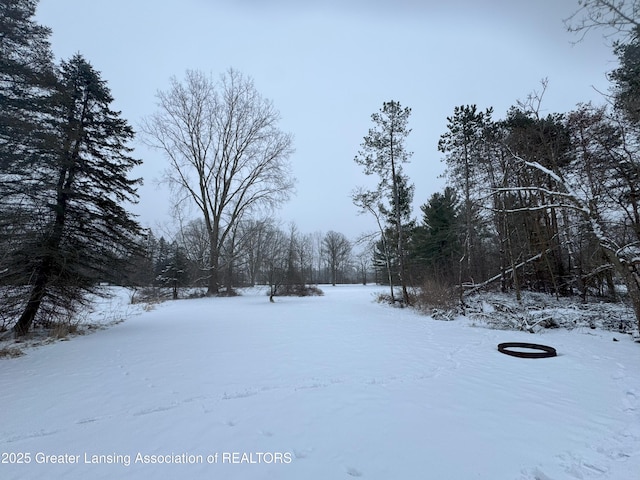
(327, 66)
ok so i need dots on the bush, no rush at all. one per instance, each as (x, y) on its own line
(397, 301)
(10, 352)
(437, 298)
(297, 290)
(151, 295)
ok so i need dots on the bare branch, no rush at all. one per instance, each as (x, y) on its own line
(225, 151)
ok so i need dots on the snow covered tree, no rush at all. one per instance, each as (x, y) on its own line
(173, 270)
(544, 140)
(383, 153)
(226, 153)
(81, 233)
(603, 185)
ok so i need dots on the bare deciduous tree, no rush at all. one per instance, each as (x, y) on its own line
(368, 202)
(615, 16)
(337, 249)
(600, 185)
(226, 153)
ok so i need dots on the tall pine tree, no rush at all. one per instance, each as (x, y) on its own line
(83, 232)
(27, 85)
(383, 153)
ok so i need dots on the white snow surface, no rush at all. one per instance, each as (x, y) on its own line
(330, 387)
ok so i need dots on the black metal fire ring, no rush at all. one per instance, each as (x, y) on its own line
(544, 352)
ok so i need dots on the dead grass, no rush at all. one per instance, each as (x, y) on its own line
(63, 330)
(436, 295)
(10, 352)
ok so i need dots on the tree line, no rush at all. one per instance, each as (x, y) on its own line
(65, 183)
(260, 252)
(540, 202)
(548, 203)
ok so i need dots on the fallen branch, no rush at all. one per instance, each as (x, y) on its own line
(500, 275)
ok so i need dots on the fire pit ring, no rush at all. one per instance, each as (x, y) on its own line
(544, 351)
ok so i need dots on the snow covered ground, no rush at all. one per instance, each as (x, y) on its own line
(318, 388)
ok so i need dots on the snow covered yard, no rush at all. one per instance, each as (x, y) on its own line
(318, 388)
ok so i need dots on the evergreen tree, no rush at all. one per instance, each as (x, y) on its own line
(26, 84)
(26, 87)
(383, 153)
(83, 233)
(626, 78)
(173, 271)
(465, 148)
(436, 242)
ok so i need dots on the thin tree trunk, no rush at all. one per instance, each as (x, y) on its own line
(36, 296)
(630, 273)
(213, 285)
(400, 242)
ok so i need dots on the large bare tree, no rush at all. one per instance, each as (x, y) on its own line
(227, 155)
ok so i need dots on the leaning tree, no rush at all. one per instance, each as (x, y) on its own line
(80, 233)
(227, 156)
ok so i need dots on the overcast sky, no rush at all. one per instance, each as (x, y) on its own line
(327, 66)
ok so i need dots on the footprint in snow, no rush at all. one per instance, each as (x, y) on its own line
(28, 436)
(148, 411)
(630, 400)
(86, 420)
(300, 454)
(354, 472)
(238, 395)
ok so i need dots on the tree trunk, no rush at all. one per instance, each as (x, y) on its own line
(38, 292)
(633, 286)
(213, 285)
(52, 246)
(400, 242)
(630, 273)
